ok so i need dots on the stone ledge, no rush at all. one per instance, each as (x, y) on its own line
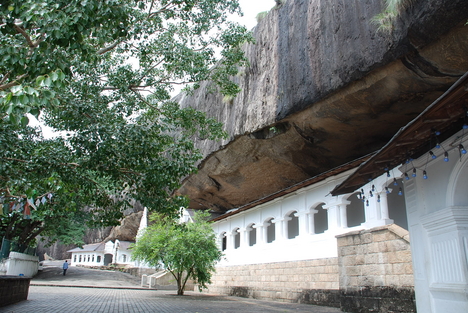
(395, 229)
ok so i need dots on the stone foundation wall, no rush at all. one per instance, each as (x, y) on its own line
(376, 273)
(310, 281)
(373, 273)
(13, 289)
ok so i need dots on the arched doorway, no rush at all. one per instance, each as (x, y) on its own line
(320, 219)
(355, 213)
(108, 259)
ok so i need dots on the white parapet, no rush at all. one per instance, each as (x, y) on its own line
(20, 263)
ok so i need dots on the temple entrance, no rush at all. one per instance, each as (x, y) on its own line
(107, 259)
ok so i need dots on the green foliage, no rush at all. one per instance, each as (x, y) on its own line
(185, 250)
(393, 9)
(100, 73)
(228, 99)
(260, 16)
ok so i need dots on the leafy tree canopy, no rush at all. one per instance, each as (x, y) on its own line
(100, 72)
(187, 251)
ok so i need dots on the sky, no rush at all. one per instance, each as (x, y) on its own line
(251, 8)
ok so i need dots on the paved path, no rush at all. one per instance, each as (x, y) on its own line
(48, 294)
(52, 275)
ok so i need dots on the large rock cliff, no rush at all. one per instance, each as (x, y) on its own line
(323, 87)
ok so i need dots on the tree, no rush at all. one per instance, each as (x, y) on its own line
(100, 73)
(186, 250)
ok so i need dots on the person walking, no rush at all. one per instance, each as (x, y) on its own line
(65, 267)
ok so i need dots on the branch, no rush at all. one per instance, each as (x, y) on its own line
(151, 7)
(131, 87)
(164, 8)
(187, 277)
(75, 165)
(128, 171)
(25, 35)
(13, 83)
(109, 48)
(17, 160)
(33, 235)
(5, 77)
(149, 104)
(39, 40)
(10, 225)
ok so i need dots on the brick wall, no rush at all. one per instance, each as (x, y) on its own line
(310, 281)
(376, 273)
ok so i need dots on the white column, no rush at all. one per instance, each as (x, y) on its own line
(229, 241)
(243, 237)
(333, 217)
(343, 216)
(334, 213)
(377, 212)
(384, 206)
(311, 221)
(278, 228)
(303, 222)
(285, 230)
(261, 239)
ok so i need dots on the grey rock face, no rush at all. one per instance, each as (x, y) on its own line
(323, 87)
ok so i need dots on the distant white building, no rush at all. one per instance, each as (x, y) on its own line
(102, 254)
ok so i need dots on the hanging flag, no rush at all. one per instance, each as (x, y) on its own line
(31, 203)
(27, 211)
(17, 207)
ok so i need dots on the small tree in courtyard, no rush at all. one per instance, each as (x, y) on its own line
(187, 251)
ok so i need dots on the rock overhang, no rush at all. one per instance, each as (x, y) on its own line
(310, 103)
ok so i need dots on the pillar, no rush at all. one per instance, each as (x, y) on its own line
(383, 206)
(311, 221)
(229, 241)
(261, 239)
(243, 237)
(336, 212)
(303, 222)
(343, 216)
(278, 228)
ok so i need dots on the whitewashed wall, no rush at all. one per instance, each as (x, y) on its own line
(20, 263)
(438, 224)
(302, 203)
(87, 258)
(97, 258)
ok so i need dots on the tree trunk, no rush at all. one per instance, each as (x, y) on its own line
(10, 227)
(180, 287)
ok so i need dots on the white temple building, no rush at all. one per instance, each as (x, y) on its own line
(103, 254)
(303, 224)
(343, 238)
